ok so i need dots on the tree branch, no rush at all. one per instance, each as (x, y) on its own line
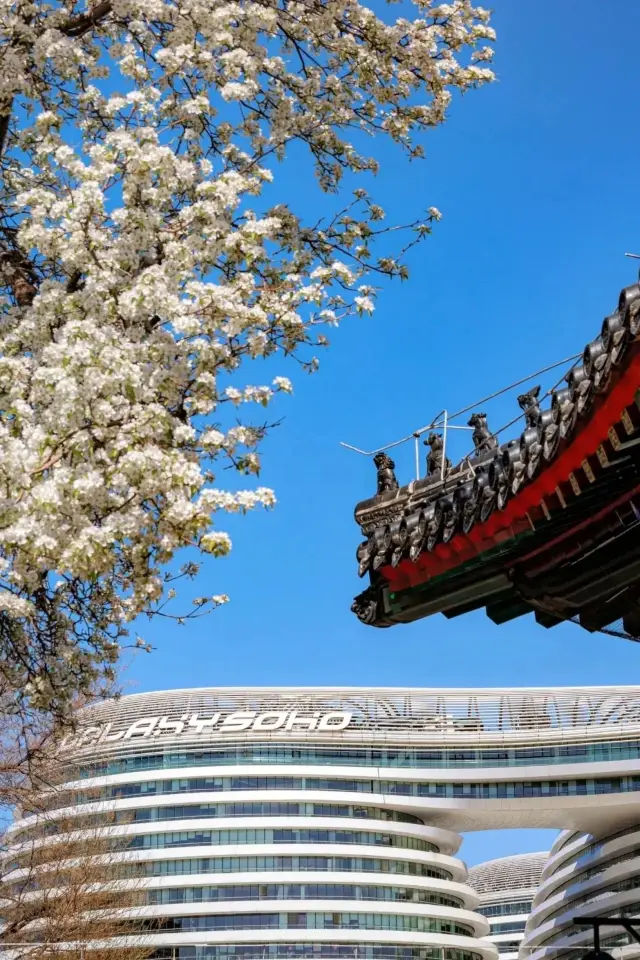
(5, 120)
(78, 26)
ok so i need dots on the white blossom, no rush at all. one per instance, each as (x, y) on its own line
(143, 272)
(364, 304)
(216, 542)
(283, 383)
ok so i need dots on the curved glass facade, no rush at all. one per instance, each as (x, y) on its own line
(590, 786)
(273, 824)
(302, 864)
(413, 759)
(231, 838)
(310, 921)
(606, 887)
(197, 811)
(309, 951)
(506, 888)
(298, 891)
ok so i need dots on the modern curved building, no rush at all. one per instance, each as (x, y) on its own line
(281, 823)
(506, 888)
(586, 875)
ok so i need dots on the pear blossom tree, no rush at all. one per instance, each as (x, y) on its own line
(148, 259)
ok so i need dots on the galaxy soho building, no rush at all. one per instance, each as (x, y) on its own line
(318, 822)
(506, 888)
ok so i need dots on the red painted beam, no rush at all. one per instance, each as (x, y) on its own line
(574, 531)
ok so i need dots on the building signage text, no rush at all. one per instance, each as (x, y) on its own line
(242, 721)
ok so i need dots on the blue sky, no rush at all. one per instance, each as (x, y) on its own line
(536, 178)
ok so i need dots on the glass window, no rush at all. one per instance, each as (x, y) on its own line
(313, 891)
(328, 864)
(224, 837)
(323, 921)
(321, 951)
(285, 753)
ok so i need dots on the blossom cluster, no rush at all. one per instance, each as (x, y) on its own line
(142, 274)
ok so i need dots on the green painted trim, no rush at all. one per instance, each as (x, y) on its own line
(480, 560)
